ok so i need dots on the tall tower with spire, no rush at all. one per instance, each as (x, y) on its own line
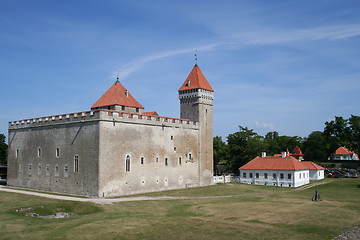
(196, 103)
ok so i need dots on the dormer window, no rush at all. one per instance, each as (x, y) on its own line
(188, 83)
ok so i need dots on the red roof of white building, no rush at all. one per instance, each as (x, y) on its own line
(274, 163)
(196, 79)
(279, 163)
(312, 166)
(343, 151)
(117, 95)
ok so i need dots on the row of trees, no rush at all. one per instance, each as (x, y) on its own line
(244, 145)
(3, 149)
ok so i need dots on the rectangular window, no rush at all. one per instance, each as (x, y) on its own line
(289, 176)
(166, 161)
(127, 163)
(17, 153)
(257, 175)
(137, 110)
(250, 175)
(244, 175)
(142, 160)
(39, 152)
(56, 170)
(179, 160)
(122, 108)
(47, 170)
(66, 171)
(300, 175)
(265, 175)
(190, 156)
(76, 163)
(281, 176)
(57, 152)
(304, 175)
(21, 166)
(274, 175)
(39, 169)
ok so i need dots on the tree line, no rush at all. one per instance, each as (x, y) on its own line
(3, 150)
(245, 144)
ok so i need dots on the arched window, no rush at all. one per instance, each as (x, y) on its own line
(127, 163)
(76, 163)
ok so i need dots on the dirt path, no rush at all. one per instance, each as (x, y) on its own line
(123, 199)
(105, 200)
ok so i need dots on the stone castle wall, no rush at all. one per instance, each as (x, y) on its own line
(101, 140)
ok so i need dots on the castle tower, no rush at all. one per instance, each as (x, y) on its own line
(118, 98)
(196, 103)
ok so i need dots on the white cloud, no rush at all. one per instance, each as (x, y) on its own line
(336, 32)
(125, 70)
(263, 125)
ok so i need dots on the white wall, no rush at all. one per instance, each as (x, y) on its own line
(316, 174)
(281, 177)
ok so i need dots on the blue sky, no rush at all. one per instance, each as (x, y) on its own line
(285, 66)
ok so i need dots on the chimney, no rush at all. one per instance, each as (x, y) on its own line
(283, 154)
(127, 93)
(263, 154)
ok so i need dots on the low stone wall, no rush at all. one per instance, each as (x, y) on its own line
(226, 179)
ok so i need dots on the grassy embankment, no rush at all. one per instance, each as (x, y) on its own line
(258, 213)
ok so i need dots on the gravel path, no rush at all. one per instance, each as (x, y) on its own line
(123, 199)
(105, 200)
(352, 234)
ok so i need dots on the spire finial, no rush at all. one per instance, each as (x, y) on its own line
(117, 77)
(195, 57)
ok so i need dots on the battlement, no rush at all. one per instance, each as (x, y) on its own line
(103, 115)
(196, 93)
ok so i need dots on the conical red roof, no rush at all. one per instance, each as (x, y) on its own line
(117, 95)
(196, 79)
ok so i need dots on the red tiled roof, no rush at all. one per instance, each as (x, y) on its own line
(312, 166)
(150, 113)
(343, 151)
(274, 163)
(297, 151)
(117, 95)
(196, 79)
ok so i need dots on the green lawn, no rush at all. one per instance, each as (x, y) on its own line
(258, 212)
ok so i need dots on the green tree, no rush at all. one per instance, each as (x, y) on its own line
(220, 151)
(3, 150)
(271, 143)
(243, 146)
(336, 133)
(354, 125)
(276, 144)
(314, 147)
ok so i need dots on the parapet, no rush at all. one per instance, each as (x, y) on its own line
(103, 115)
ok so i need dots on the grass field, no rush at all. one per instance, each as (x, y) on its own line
(258, 213)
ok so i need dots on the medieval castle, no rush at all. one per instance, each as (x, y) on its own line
(116, 148)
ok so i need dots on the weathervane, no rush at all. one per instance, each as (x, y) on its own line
(117, 76)
(195, 57)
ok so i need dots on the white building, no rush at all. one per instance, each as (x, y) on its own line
(284, 171)
(342, 153)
